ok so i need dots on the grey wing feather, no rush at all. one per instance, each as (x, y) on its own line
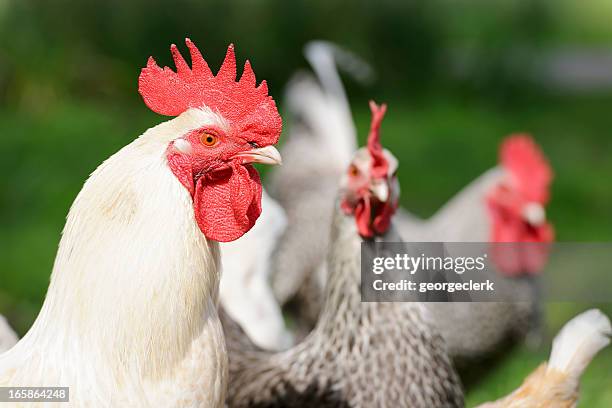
(475, 330)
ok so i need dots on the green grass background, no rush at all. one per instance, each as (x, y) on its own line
(68, 100)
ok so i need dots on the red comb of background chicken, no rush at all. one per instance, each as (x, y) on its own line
(528, 167)
(379, 166)
(246, 106)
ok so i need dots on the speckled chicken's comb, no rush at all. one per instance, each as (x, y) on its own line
(379, 166)
(528, 166)
(240, 102)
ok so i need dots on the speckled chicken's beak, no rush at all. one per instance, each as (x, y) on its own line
(263, 155)
(534, 214)
(380, 190)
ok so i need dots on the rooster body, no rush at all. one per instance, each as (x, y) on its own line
(135, 262)
(130, 315)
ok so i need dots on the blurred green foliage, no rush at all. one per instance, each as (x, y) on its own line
(456, 75)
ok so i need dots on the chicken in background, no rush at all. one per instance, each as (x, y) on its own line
(130, 317)
(360, 354)
(321, 141)
(286, 250)
(245, 291)
(8, 337)
(556, 383)
(506, 204)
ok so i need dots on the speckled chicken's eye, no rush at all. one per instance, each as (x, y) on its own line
(353, 171)
(209, 139)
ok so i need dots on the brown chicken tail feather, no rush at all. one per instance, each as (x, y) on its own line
(556, 384)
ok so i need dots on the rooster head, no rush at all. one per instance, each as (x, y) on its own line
(516, 205)
(369, 188)
(226, 125)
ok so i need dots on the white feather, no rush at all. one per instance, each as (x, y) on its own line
(578, 342)
(323, 106)
(245, 289)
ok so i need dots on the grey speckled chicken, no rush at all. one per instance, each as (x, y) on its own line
(359, 354)
(319, 146)
(505, 204)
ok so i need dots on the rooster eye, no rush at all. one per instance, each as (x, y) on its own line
(209, 139)
(353, 171)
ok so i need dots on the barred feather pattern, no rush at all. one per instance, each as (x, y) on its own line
(358, 355)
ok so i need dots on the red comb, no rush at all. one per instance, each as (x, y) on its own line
(530, 170)
(379, 165)
(242, 103)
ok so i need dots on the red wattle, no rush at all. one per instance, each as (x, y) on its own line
(363, 213)
(227, 208)
(382, 221)
(526, 251)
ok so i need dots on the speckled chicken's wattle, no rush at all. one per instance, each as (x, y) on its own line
(372, 219)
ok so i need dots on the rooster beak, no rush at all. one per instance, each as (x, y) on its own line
(263, 155)
(380, 190)
(534, 214)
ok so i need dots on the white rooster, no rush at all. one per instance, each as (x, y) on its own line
(130, 317)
